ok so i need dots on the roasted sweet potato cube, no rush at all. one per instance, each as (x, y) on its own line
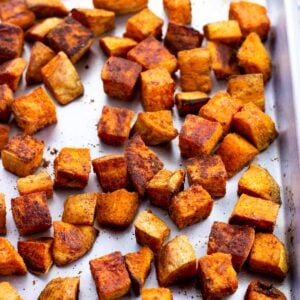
(37, 254)
(116, 46)
(46, 9)
(2, 215)
(120, 77)
(190, 206)
(117, 209)
(7, 291)
(41, 182)
(255, 125)
(252, 17)
(232, 239)
(150, 230)
(254, 58)
(150, 54)
(236, 153)
(121, 7)
(114, 125)
(71, 242)
(97, 20)
(72, 167)
(143, 164)
(156, 293)
(111, 171)
(248, 88)
(258, 182)
(268, 256)
(217, 276)
(176, 261)
(6, 98)
(194, 66)
(178, 11)
(22, 155)
(4, 135)
(139, 265)
(72, 38)
(198, 136)
(110, 275)
(256, 212)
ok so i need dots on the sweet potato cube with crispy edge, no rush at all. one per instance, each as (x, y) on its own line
(176, 261)
(248, 88)
(72, 38)
(139, 265)
(236, 153)
(72, 167)
(4, 135)
(110, 275)
(80, 209)
(41, 182)
(116, 46)
(198, 136)
(7, 291)
(258, 182)
(150, 230)
(254, 58)
(144, 24)
(190, 206)
(164, 185)
(143, 164)
(44, 8)
(22, 155)
(178, 11)
(2, 215)
(209, 172)
(156, 293)
(151, 54)
(6, 98)
(114, 125)
(217, 276)
(255, 125)
(252, 17)
(232, 239)
(256, 212)
(37, 254)
(194, 66)
(71, 242)
(268, 256)
(121, 7)
(117, 209)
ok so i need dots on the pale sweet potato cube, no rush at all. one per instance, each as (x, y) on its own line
(156, 293)
(6, 98)
(46, 8)
(116, 46)
(121, 7)
(8, 292)
(256, 212)
(268, 256)
(150, 230)
(4, 135)
(179, 11)
(2, 215)
(176, 261)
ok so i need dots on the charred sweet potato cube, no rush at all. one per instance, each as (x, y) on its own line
(256, 212)
(209, 172)
(72, 167)
(194, 66)
(139, 265)
(4, 135)
(37, 254)
(97, 20)
(117, 209)
(41, 182)
(252, 17)
(121, 7)
(34, 111)
(114, 125)
(45, 9)
(217, 276)
(62, 79)
(236, 153)
(6, 98)
(71, 242)
(176, 261)
(120, 77)
(110, 275)
(198, 136)
(150, 54)
(164, 185)
(2, 215)
(143, 164)
(178, 11)
(72, 38)
(258, 182)
(150, 230)
(156, 293)
(255, 125)
(254, 58)
(7, 291)
(117, 46)
(190, 206)
(232, 239)
(248, 88)
(268, 256)
(22, 155)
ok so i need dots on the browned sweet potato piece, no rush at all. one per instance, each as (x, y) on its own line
(121, 7)
(116, 46)
(6, 98)
(156, 293)
(46, 8)
(4, 135)
(2, 215)
(8, 292)
(178, 11)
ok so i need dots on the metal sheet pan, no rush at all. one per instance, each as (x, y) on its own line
(77, 128)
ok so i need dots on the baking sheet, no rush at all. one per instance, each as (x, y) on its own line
(77, 128)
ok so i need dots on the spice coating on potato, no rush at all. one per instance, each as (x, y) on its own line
(156, 293)
(44, 8)
(4, 135)
(116, 46)
(2, 215)
(6, 98)
(178, 11)
(121, 7)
